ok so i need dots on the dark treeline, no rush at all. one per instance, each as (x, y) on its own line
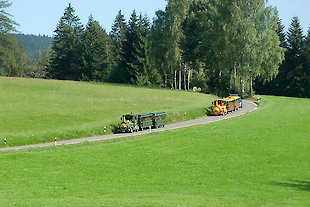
(220, 46)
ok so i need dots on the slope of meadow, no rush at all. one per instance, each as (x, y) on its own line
(34, 111)
(260, 159)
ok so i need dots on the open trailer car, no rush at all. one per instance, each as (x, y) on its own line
(135, 122)
(159, 119)
(145, 121)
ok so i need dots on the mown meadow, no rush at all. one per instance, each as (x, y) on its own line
(259, 159)
(36, 111)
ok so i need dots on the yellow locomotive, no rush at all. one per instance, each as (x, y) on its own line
(223, 106)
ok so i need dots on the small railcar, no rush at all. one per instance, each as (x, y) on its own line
(135, 122)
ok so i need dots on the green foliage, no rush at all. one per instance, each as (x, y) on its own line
(232, 39)
(260, 159)
(306, 66)
(40, 66)
(117, 35)
(134, 62)
(95, 49)
(34, 110)
(12, 56)
(13, 59)
(157, 43)
(118, 29)
(293, 77)
(7, 25)
(34, 44)
(67, 44)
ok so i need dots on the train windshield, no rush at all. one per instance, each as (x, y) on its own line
(129, 117)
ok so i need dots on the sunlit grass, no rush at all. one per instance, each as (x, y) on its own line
(260, 159)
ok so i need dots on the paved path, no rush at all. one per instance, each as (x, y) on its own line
(247, 107)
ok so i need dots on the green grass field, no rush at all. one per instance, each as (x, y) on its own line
(260, 159)
(36, 111)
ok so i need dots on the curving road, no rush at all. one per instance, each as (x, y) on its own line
(247, 107)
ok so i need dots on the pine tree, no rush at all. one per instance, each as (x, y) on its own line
(117, 35)
(66, 61)
(118, 29)
(134, 62)
(281, 33)
(292, 72)
(96, 47)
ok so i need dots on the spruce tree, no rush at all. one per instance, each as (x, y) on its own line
(117, 35)
(133, 58)
(292, 72)
(118, 29)
(95, 50)
(66, 62)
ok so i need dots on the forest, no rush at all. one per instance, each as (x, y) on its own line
(218, 46)
(34, 44)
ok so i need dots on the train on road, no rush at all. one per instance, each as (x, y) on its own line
(222, 106)
(135, 122)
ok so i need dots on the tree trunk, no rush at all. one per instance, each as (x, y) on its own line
(188, 79)
(171, 79)
(184, 78)
(180, 80)
(242, 87)
(251, 86)
(175, 79)
(219, 86)
(235, 80)
(166, 80)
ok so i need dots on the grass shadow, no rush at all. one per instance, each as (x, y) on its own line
(115, 128)
(208, 110)
(297, 184)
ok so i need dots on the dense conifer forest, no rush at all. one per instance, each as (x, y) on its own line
(33, 44)
(219, 46)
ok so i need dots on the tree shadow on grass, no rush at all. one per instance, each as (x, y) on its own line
(297, 184)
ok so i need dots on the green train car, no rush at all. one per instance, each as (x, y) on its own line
(135, 122)
(159, 119)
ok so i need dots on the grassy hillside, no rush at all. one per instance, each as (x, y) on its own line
(260, 159)
(33, 111)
